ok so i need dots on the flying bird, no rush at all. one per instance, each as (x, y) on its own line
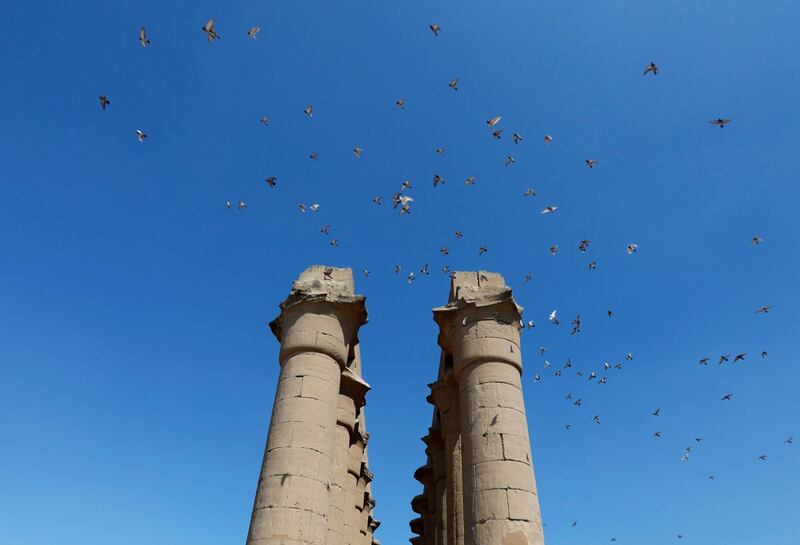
(272, 181)
(104, 101)
(435, 29)
(547, 139)
(210, 31)
(591, 163)
(631, 248)
(357, 151)
(726, 397)
(516, 138)
(529, 193)
(453, 84)
(437, 180)
(440, 151)
(764, 310)
(242, 205)
(470, 180)
(253, 31)
(549, 209)
(459, 234)
(720, 122)
(143, 39)
(140, 136)
(400, 103)
(510, 160)
(756, 240)
(650, 68)
(309, 110)
(265, 120)
(493, 121)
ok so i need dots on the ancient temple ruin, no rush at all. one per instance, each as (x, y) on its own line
(478, 482)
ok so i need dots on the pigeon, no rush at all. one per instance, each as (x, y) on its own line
(531, 324)
(459, 234)
(104, 101)
(410, 277)
(325, 229)
(596, 419)
(140, 136)
(578, 402)
(470, 181)
(547, 139)
(444, 250)
(591, 163)
(553, 317)
(406, 184)
(493, 121)
(553, 248)
(549, 209)
(583, 245)
(440, 151)
(302, 207)
(210, 31)
(435, 29)
(397, 269)
(357, 151)
(400, 103)
(453, 84)
(424, 270)
(629, 356)
(228, 204)
(592, 266)
(631, 248)
(242, 205)
(309, 110)
(143, 39)
(510, 160)
(377, 199)
(272, 181)
(650, 68)
(314, 207)
(529, 193)
(516, 138)
(482, 250)
(334, 242)
(313, 155)
(497, 134)
(265, 120)
(756, 240)
(720, 122)
(252, 32)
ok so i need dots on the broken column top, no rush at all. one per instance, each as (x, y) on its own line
(321, 283)
(477, 288)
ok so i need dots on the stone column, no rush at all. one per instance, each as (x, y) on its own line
(480, 327)
(444, 395)
(318, 323)
(437, 494)
(352, 394)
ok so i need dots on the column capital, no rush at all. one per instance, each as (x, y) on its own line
(481, 322)
(321, 314)
(354, 387)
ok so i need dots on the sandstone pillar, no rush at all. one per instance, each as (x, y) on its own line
(352, 394)
(444, 395)
(480, 328)
(319, 322)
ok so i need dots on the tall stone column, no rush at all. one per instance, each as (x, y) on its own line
(352, 394)
(436, 494)
(480, 328)
(318, 323)
(444, 395)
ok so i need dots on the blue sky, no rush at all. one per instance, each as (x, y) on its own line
(136, 370)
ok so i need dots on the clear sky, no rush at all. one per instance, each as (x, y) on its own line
(136, 369)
